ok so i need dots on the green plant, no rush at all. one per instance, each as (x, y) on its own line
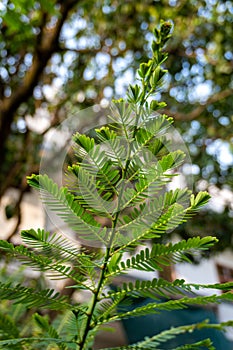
(121, 175)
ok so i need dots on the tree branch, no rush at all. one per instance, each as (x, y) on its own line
(199, 109)
(43, 51)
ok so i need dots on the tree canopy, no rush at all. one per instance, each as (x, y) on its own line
(57, 57)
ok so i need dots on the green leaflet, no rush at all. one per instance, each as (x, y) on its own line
(169, 219)
(207, 343)
(158, 287)
(64, 253)
(95, 161)
(65, 205)
(61, 247)
(149, 179)
(116, 151)
(47, 298)
(159, 341)
(122, 119)
(154, 289)
(160, 254)
(43, 262)
(172, 305)
(94, 193)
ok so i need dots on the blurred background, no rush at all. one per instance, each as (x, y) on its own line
(59, 57)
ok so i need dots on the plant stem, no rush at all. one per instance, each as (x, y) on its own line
(134, 134)
(95, 299)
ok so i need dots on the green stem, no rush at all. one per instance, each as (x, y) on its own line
(134, 134)
(101, 278)
(94, 300)
(106, 258)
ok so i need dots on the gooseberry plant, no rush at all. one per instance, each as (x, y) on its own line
(120, 175)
